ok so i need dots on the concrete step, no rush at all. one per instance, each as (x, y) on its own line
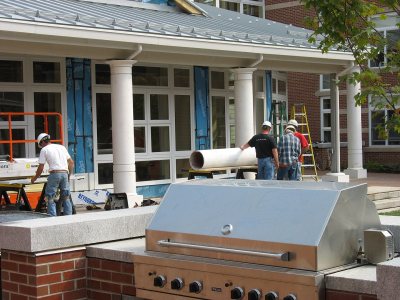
(384, 195)
(388, 203)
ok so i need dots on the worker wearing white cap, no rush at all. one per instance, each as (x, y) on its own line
(303, 142)
(266, 152)
(60, 167)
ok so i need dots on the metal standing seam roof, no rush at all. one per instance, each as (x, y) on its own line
(216, 24)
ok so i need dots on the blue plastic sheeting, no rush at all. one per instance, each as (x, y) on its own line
(155, 191)
(268, 94)
(202, 113)
(79, 112)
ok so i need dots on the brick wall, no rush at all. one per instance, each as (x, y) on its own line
(339, 295)
(108, 280)
(57, 276)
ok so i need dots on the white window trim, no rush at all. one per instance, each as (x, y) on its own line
(322, 112)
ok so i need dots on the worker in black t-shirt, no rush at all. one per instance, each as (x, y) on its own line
(266, 152)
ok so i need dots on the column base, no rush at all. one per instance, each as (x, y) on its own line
(356, 173)
(134, 199)
(336, 177)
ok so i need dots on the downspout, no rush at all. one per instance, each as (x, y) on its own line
(136, 53)
(259, 60)
(347, 70)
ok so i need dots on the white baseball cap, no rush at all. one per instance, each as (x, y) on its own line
(290, 128)
(267, 123)
(293, 122)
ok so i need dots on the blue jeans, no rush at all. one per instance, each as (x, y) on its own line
(57, 181)
(266, 168)
(289, 172)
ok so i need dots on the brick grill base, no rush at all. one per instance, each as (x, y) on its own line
(339, 295)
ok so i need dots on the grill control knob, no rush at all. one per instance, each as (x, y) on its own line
(254, 294)
(271, 296)
(159, 281)
(237, 293)
(290, 297)
(195, 287)
(177, 284)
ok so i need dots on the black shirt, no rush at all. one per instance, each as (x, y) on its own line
(264, 144)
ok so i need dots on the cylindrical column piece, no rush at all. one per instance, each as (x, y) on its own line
(222, 158)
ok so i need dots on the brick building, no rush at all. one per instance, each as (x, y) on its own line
(313, 90)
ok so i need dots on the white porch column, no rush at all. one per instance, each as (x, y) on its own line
(335, 174)
(124, 170)
(244, 124)
(354, 133)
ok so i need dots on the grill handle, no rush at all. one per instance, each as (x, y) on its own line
(280, 256)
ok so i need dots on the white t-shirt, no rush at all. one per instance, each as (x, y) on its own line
(56, 156)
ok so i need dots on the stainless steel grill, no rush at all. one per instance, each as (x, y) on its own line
(246, 239)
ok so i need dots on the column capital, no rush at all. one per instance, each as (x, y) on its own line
(243, 73)
(121, 63)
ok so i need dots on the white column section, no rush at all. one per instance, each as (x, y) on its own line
(124, 170)
(354, 133)
(244, 124)
(335, 174)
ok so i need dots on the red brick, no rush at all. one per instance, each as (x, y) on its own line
(49, 278)
(18, 278)
(80, 263)
(41, 270)
(61, 266)
(122, 278)
(18, 257)
(68, 275)
(127, 268)
(5, 255)
(8, 265)
(80, 283)
(111, 287)
(94, 263)
(74, 295)
(48, 258)
(18, 297)
(52, 297)
(62, 287)
(42, 290)
(100, 274)
(27, 269)
(129, 290)
(73, 254)
(111, 265)
(27, 290)
(9, 286)
(5, 275)
(93, 284)
(98, 295)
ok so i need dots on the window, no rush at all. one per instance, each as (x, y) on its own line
(378, 118)
(182, 123)
(390, 31)
(218, 122)
(11, 71)
(217, 80)
(325, 82)
(162, 109)
(181, 78)
(150, 76)
(104, 133)
(30, 85)
(326, 120)
(46, 72)
(254, 8)
(232, 128)
(12, 102)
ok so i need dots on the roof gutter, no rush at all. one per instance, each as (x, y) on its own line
(258, 61)
(136, 53)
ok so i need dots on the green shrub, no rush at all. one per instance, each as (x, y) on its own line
(373, 166)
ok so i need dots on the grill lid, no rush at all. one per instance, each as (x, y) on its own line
(293, 224)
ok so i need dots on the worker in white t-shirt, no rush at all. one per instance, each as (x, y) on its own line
(60, 168)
